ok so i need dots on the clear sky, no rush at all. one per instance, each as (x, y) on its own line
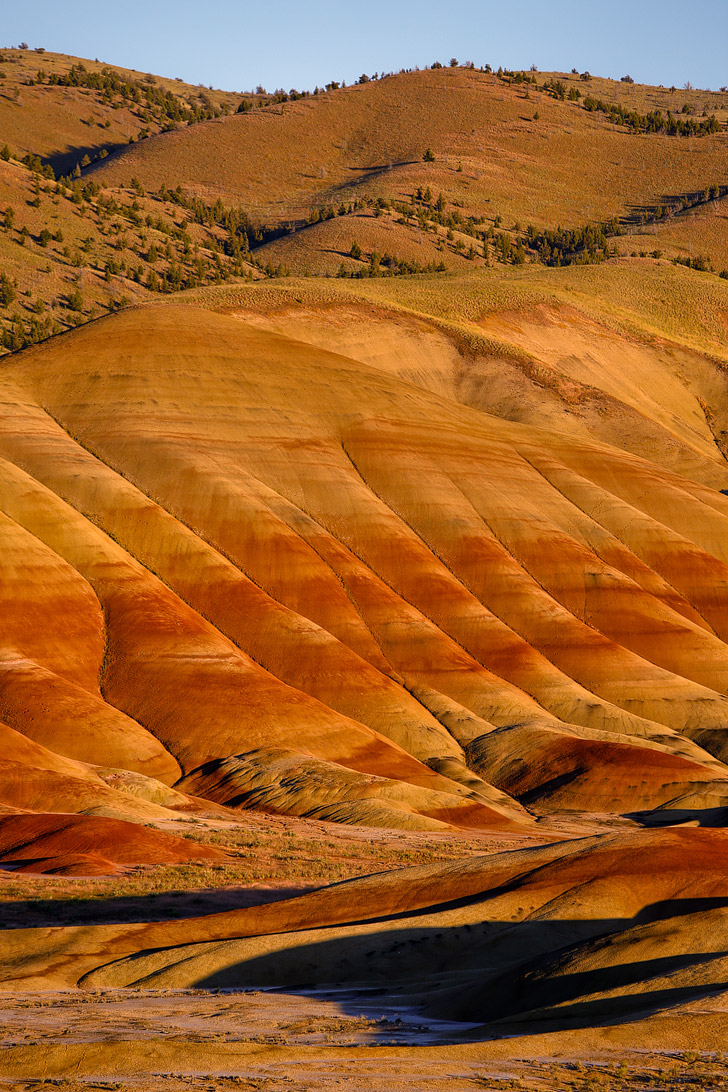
(238, 45)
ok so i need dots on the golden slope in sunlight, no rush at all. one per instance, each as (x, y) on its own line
(272, 545)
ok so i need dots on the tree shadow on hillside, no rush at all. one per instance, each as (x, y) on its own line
(65, 162)
(382, 168)
(673, 204)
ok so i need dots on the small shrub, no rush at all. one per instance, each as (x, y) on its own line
(7, 291)
(75, 300)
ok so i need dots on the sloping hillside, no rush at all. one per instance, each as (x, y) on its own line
(568, 166)
(71, 110)
(542, 348)
(428, 171)
(587, 937)
(279, 546)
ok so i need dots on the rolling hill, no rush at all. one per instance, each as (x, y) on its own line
(538, 946)
(519, 167)
(370, 139)
(64, 109)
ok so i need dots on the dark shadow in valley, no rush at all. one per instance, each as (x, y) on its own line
(669, 817)
(504, 978)
(671, 205)
(119, 910)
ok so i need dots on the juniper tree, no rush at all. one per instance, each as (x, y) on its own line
(7, 291)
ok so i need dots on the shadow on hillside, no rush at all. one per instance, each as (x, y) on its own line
(119, 910)
(368, 174)
(674, 204)
(64, 163)
(604, 1011)
(498, 978)
(668, 817)
(365, 173)
(382, 168)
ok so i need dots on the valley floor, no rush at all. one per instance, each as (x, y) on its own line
(358, 1035)
(174, 1040)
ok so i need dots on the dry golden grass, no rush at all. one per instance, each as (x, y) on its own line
(66, 123)
(86, 235)
(270, 854)
(703, 233)
(645, 97)
(493, 160)
(325, 248)
(568, 166)
(642, 296)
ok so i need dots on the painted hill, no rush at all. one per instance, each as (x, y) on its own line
(242, 528)
(431, 539)
(87, 845)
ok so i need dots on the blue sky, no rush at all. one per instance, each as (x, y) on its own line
(239, 45)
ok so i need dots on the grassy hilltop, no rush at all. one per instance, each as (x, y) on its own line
(166, 187)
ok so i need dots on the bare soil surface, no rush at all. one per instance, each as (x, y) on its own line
(164, 1041)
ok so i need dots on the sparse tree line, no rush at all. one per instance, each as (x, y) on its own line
(163, 105)
(551, 247)
(386, 265)
(152, 102)
(18, 333)
(170, 261)
(590, 243)
(701, 263)
(655, 121)
(584, 246)
(673, 206)
(151, 250)
(170, 110)
(242, 234)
